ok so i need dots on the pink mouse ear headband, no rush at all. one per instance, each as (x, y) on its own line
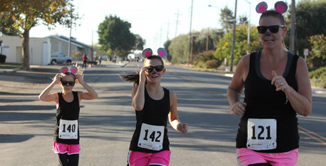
(72, 70)
(279, 6)
(161, 52)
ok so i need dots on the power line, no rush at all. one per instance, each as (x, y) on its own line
(176, 26)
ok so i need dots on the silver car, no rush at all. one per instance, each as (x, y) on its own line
(58, 57)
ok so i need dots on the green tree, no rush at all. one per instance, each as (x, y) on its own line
(241, 48)
(139, 42)
(178, 49)
(317, 55)
(115, 36)
(203, 40)
(243, 20)
(166, 47)
(178, 46)
(310, 16)
(226, 17)
(20, 16)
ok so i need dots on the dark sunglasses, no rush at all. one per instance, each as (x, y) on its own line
(272, 29)
(64, 83)
(157, 68)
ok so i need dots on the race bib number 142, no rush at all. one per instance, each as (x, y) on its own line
(151, 137)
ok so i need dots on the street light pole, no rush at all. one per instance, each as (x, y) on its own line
(292, 33)
(233, 36)
(190, 36)
(248, 39)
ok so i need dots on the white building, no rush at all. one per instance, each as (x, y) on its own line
(40, 49)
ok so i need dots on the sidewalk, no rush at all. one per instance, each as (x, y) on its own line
(46, 67)
(52, 68)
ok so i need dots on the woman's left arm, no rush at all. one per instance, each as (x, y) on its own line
(173, 115)
(90, 94)
(300, 101)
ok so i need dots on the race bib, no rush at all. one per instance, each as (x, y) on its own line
(68, 129)
(261, 134)
(151, 137)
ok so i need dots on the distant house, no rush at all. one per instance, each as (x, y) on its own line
(40, 49)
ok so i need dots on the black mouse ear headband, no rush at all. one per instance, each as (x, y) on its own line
(161, 52)
(279, 6)
(72, 70)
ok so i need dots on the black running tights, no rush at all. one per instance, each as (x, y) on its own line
(68, 160)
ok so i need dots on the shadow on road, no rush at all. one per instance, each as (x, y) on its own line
(4, 138)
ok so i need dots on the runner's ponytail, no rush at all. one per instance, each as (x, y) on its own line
(131, 77)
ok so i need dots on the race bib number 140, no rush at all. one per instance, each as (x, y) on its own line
(261, 134)
(68, 129)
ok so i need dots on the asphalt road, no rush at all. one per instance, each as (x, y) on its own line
(107, 123)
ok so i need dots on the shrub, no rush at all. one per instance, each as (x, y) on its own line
(3, 58)
(201, 64)
(206, 60)
(318, 77)
(212, 64)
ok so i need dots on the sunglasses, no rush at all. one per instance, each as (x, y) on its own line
(157, 68)
(71, 83)
(272, 29)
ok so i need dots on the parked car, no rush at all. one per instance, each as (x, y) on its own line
(58, 57)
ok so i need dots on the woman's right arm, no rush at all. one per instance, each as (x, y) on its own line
(236, 87)
(138, 92)
(45, 96)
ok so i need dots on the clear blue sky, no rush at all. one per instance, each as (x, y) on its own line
(153, 20)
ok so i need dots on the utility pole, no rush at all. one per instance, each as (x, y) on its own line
(167, 32)
(293, 22)
(176, 26)
(190, 36)
(69, 45)
(160, 37)
(207, 39)
(233, 35)
(92, 47)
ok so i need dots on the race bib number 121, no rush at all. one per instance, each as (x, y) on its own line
(261, 134)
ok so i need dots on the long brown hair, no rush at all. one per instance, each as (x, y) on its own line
(134, 77)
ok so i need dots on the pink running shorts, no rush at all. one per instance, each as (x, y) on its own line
(144, 159)
(66, 148)
(246, 157)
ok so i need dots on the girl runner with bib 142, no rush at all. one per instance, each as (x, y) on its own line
(66, 134)
(277, 88)
(154, 105)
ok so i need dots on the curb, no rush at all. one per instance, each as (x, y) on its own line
(9, 70)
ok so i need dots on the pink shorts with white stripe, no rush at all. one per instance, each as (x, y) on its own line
(66, 148)
(140, 158)
(246, 157)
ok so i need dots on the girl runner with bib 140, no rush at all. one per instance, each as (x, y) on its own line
(154, 105)
(66, 133)
(277, 88)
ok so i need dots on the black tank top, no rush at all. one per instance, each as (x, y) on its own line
(264, 102)
(67, 111)
(155, 112)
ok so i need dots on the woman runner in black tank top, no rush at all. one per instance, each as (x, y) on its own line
(66, 133)
(154, 106)
(277, 88)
